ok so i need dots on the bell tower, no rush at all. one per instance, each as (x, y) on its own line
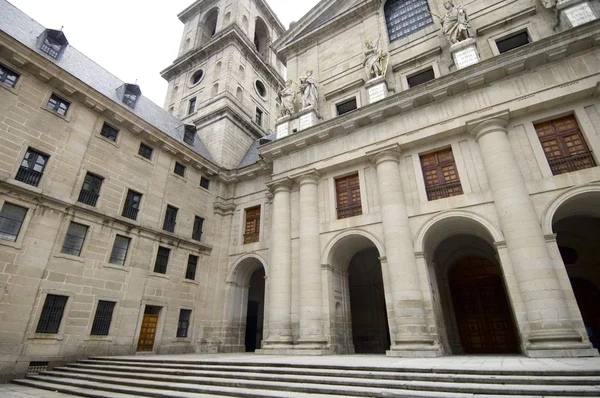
(226, 77)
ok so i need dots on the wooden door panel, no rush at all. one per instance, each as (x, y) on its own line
(147, 332)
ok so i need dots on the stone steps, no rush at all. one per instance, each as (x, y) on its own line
(157, 378)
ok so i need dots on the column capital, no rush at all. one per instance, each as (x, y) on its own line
(307, 177)
(385, 153)
(280, 185)
(485, 124)
(551, 238)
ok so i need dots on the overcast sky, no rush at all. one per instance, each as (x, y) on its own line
(132, 39)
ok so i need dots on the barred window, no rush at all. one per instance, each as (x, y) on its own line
(184, 323)
(441, 176)
(52, 314)
(162, 260)
(74, 239)
(109, 132)
(8, 77)
(32, 167)
(90, 191)
(252, 228)
(192, 265)
(119, 250)
(103, 318)
(404, 17)
(11, 220)
(348, 196)
(58, 105)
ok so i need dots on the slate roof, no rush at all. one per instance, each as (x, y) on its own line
(253, 155)
(24, 29)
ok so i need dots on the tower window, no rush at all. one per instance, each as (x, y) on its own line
(170, 218)
(132, 205)
(119, 250)
(192, 265)
(198, 224)
(192, 106)
(404, 17)
(197, 77)
(90, 191)
(74, 239)
(258, 117)
(260, 88)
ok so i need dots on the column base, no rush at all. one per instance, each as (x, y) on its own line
(318, 343)
(559, 344)
(414, 347)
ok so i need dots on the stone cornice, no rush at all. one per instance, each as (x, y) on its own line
(486, 72)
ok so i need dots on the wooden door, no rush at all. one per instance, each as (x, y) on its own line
(481, 307)
(148, 332)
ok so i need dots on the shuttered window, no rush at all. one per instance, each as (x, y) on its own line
(52, 314)
(252, 228)
(347, 191)
(564, 145)
(103, 318)
(441, 176)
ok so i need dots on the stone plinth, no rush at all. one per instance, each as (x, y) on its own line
(377, 89)
(465, 53)
(282, 127)
(307, 118)
(578, 14)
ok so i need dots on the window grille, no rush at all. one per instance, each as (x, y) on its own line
(198, 224)
(36, 367)
(52, 314)
(74, 239)
(109, 132)
(132, 205)
(441, 176)
(145, 151)
(90, 191)
(348, 196)
(192, 265)
(103, 318)
(162, 260)
(404, 17)
(51, 46)
(184, 323)
(32, 168)
(8, 77)
(11, 220)
(58, 105)
(170, 219)
(119, 250)
(252, 229)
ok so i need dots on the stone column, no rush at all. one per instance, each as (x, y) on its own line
(311, 287)
(550, 325)
(280, 275)
(408, 327)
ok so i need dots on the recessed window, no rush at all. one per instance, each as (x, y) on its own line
(404, 17)
(179, 169)
(192, 106)
(8, 77)
(145, 151)
(346, 106)
(198, 224)
(514, 41)
(119, 250)
(260, 88)
(103, 318)
(11, 220)
(74, 239)
(420, 77)
(184, 323)
(192, 265)
(109, 132)
(32, 168)
(54, 42)
(197, 77)
(162, 260)
(170, 218)
(58, 105)
(132, 204)
(52, 314)
(90, 190)
(189, 134)
(204, 182)
(564, 145)
(130, 94)
(441, 176)
(347, 190)
(258, 117)
(252, 227)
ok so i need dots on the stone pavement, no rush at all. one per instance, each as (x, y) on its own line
(15, 391)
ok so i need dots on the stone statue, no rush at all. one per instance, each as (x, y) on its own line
(308, 86)
(549, 3)
(455, 24)
(286, 96)
(373, 57)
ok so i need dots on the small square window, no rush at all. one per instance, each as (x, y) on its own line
(162, 260)
(258, 117)
(8, 77)
(192, 106)
(179, 169)
(52, 314)
(11, 220)
(109, 132)
(32, 167)
(74, 239)
(346, 106)
(103, 318)
(58, 105)
(514, 41)
(119, 250)
(192, 265)
(420, 78)
(184, 323)
(204, 182)
(145, 151)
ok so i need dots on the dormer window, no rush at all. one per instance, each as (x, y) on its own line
(129, 94)
(189, 135)
(53, 43)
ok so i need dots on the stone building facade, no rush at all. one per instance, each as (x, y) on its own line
(425, 207)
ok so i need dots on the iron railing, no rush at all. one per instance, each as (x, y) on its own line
(571, 163)
(440, 191)
(251, 238)
(28, 176)
(130, 212)
(349, 211)
(89, 198)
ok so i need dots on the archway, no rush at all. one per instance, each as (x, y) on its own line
(358, 320)
(245, 315)
(209, 25)
(261, 37)
(470, 299)
(576, 223)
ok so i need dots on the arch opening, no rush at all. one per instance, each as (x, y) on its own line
(576, 224)
(261, 37)
(209, 26)
(470, 298)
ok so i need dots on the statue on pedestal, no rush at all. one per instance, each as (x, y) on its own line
(286, 96)
(308, 86)
(549, 3)
(455, 24)
(374, 60)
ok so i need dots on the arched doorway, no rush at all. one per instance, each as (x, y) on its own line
(576, 224)
(255, 313)
(358, 320)
(481, 308)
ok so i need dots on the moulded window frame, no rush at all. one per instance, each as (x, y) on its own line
(81, 181)
(60, 335)
(190, 331)
(155, 257)
(118, 136)
(528, 27)
(164, 218)
(265, 97)
(18, 243)
(107, 336)
(11, 68)
(63, 234)
(461, 176)
(426, 32)
(185, 170)
(124, 202)
(127, 255)
(55, 112)
(193, 73)
(404, 76)
(145, 159)
(262, 117)
(205, 179)
(40, 186)
(242, 220)
(347, 97)
(365, 205)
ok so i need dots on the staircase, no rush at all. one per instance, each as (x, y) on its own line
(135, 377)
